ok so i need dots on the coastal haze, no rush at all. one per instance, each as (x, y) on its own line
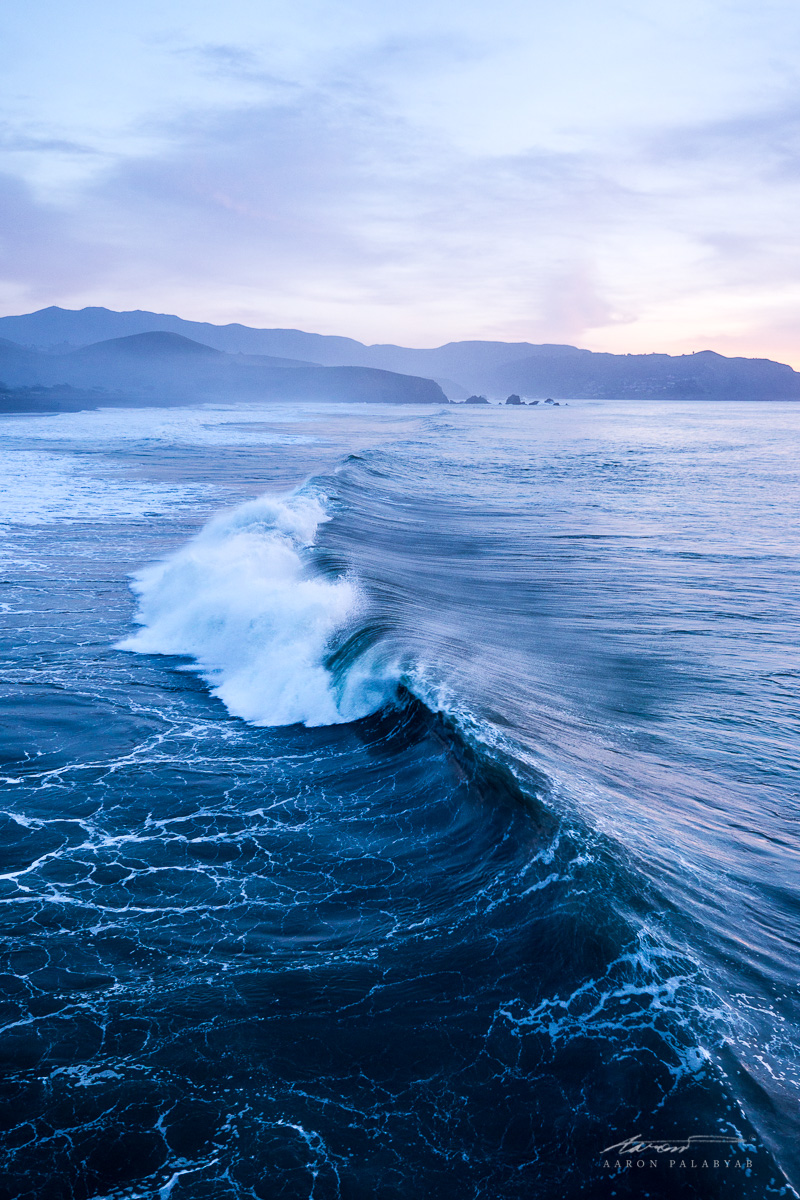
(157, 358)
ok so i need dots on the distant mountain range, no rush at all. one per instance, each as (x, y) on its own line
(167, 368)
(149, 354)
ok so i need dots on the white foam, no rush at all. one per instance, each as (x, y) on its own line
(39, 488)
(242, 599)
(204, 425)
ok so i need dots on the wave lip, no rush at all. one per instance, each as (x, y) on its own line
(242, 599)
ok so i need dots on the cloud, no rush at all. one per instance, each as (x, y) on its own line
(324, 207)
(329, 210)
(733, 187)
(41, 251)
(237, 63)
(15, 140)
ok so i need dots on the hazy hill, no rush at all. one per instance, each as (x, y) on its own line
(150, 345)
(60, 398)
(492, 368)
(56, 328)
(704, 375)
(162, 367)
(17, 363)
(60, 328)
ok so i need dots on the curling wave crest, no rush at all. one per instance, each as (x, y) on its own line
(243, 600)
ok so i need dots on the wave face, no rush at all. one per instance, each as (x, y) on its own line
(244, 602)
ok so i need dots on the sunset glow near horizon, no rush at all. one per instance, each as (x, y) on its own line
(620, 177)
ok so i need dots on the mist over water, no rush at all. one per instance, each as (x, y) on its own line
(400, 803)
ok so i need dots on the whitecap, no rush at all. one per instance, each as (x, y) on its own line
(244, 601)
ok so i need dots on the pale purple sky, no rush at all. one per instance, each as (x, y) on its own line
(621, 176)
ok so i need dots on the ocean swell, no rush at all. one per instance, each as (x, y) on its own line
(244, 601)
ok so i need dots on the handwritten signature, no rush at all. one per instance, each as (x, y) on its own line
(634, 1145)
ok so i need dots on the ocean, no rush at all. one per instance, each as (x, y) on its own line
(400, 803)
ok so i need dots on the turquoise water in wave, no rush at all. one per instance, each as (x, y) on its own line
(400, 802)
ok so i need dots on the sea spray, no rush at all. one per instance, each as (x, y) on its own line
(244, 601)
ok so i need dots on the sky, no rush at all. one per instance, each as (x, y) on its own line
(622, 176)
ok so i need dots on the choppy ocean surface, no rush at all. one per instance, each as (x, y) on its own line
(400, 804)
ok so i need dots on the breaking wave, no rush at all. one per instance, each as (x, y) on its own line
(272, 637)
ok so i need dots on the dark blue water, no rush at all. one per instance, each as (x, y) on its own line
(400, 804)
